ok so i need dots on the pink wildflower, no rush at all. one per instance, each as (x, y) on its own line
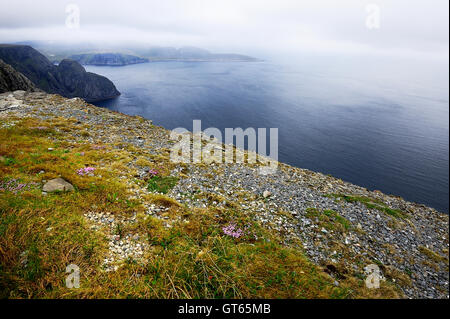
(153, 172)
(85, 171)
(98, 147)
(233, 231)
(14, 186)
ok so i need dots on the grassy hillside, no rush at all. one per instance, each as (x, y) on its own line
(139, 226)
(194, 258)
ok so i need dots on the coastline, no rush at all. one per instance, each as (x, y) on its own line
(398, 159)
(104, 99)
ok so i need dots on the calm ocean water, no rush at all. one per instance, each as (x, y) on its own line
(378, 123)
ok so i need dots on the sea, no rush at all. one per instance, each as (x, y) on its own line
(378, 122)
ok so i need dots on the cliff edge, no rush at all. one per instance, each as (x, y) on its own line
(68, 79)
(86, 186)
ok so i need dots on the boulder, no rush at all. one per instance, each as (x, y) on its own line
(57, 184)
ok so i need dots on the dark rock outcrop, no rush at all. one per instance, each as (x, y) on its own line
(11, 80)
(79, 83)
(111, 59)
(68, 79)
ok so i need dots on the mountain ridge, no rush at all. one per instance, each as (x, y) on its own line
(56, 52)
(193, 54)
(68, 79)
(109, 59)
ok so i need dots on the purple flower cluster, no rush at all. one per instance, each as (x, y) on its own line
(85, 171)
(98, 147)
(153, 172)
(232, 230)
(14, 186)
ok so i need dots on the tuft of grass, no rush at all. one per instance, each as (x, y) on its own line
(162, 184)
(8, 161)
(162, 200)
(432, 255)
(373, 204)
(119, 230)
(330, 219)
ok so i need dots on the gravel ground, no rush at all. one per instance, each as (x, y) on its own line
(280, 201)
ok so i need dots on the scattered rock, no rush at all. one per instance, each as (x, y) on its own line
(57, 184)
(371, 235)
(24, 258)
(267, 194)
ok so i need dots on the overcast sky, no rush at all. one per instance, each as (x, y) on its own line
(242, 26)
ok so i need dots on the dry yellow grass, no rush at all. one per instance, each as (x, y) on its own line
(192, 259)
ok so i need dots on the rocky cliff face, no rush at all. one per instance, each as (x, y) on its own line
(79, 83)
(69, 79)
(11, 80)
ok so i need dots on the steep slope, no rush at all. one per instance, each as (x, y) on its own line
(79, 83)
(11, 80)
(136, 220)
(69, 79)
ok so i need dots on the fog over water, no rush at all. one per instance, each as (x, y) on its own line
(262, 27)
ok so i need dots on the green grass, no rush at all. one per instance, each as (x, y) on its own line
(433, 255)
(192, 259)
(330, 219)
(338, 218)
(7, 161)
(162, 184)
(373, 204)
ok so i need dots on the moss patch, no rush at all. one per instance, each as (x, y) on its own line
(373, 204)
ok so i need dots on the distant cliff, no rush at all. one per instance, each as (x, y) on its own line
(111, 59)
(79, 83)
(193, 54)
(58, 51)
(11, 80)
(68, 79)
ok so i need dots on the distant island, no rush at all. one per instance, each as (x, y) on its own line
(193, 54)
(186, 54)
(110, 59)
